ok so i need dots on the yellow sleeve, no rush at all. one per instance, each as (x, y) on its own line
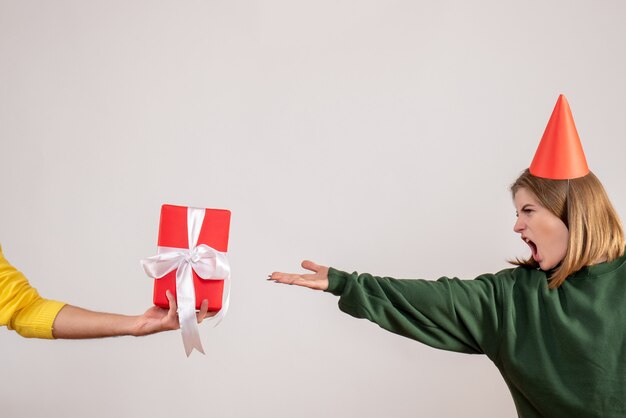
(21, 307)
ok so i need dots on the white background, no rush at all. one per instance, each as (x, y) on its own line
(376, 136)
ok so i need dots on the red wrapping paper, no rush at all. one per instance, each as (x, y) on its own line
(173, 233)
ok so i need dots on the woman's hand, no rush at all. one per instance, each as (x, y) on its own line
(158, 319)
(318, 280)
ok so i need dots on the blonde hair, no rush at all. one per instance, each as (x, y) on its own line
(595, 230)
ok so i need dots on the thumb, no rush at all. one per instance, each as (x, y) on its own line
(309, 265)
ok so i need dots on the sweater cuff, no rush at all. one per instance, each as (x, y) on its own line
(38, 322)
(336, 281)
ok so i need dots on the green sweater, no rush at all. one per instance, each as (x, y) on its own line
(562, 352)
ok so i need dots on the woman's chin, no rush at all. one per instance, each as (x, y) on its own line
(546, 265)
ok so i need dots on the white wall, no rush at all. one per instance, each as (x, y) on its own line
(374, 136)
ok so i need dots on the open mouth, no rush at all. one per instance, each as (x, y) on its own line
(533, 247)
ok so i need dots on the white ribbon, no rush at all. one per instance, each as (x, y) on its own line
(207, 262)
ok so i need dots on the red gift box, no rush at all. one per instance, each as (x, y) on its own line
(173, 233)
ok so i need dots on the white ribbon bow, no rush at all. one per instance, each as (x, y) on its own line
(207, 262)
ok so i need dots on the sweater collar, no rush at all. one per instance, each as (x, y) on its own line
(601, 268)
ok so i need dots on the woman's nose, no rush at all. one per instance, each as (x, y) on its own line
(519, 225)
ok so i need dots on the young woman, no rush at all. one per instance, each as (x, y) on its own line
(555, 326)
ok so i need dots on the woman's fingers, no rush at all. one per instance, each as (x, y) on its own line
(304, 280)
(318, 280)
(285, 278)
(201, 315)
(292, 278)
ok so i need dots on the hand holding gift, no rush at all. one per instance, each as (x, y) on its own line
(157, 319)
(22, 309)
(191, 264)
(73, 322)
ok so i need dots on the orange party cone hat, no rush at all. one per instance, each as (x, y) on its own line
(560, 154)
